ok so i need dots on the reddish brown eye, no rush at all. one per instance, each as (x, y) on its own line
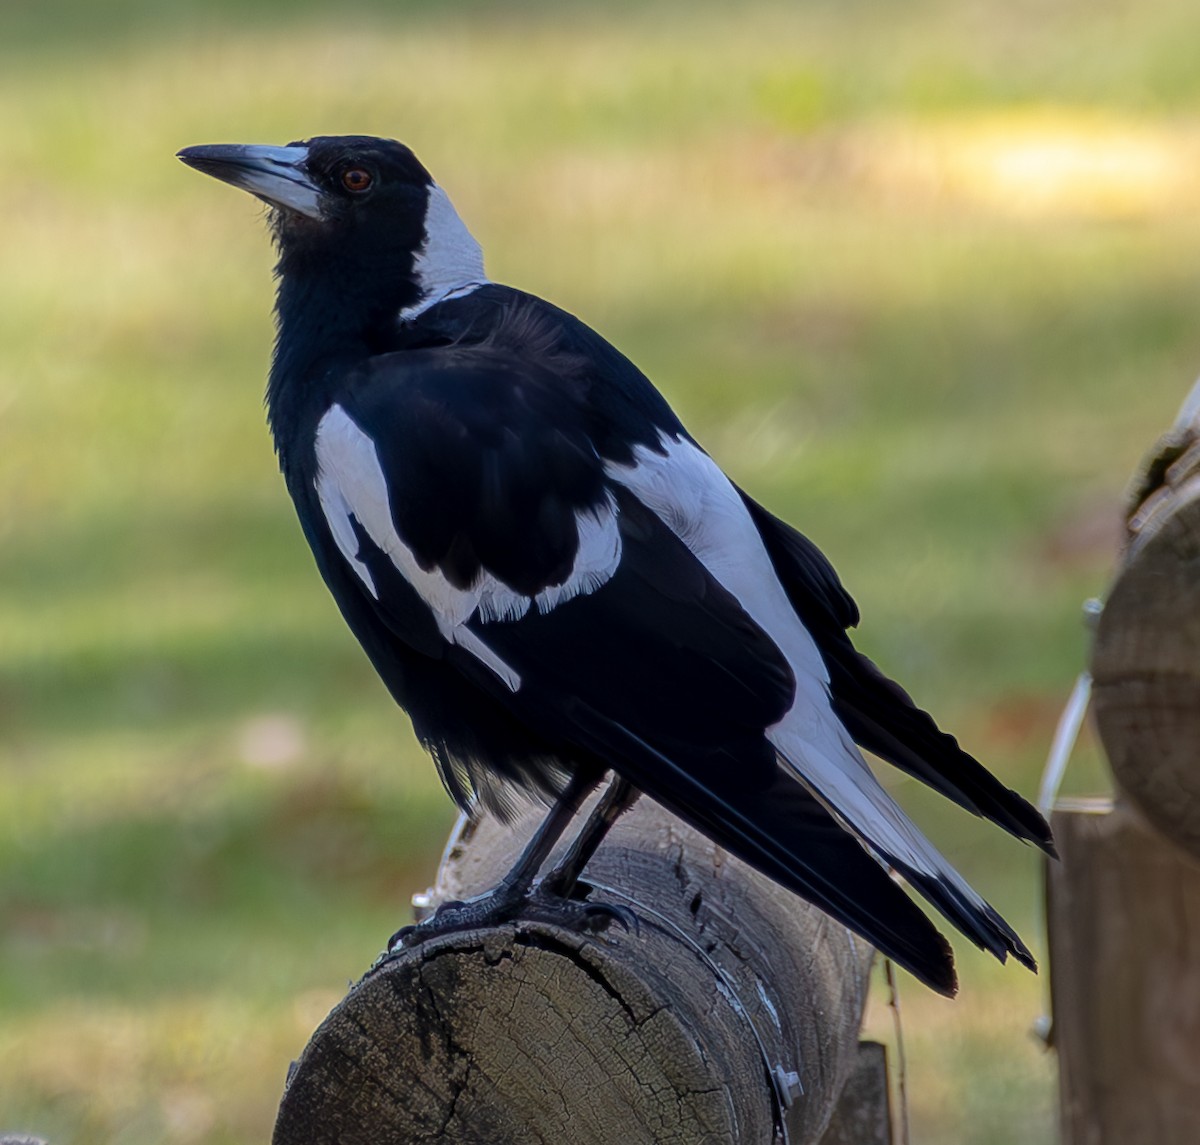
(356, 179)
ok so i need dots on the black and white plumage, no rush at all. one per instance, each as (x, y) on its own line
(555, 580)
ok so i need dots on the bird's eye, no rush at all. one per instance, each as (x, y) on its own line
(357, 179)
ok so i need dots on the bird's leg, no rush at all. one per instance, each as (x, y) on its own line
(563, 890)
(619, 798)
(515, 885)
(504, 901)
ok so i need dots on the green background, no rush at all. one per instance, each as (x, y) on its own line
(923, 278)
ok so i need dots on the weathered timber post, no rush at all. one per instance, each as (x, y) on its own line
(730, 1016)
(1124, 904)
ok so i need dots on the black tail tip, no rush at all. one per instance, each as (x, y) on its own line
(946, 985)
(941, 979)
(1021, 953)
(934, 969)
(1028, 823)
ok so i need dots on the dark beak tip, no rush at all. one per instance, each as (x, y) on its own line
(212, 158)
(199, 158)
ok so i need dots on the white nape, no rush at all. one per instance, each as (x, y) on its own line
(449, 262)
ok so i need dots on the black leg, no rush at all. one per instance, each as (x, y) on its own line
(505, 901)
(620, 796)
(520, 878)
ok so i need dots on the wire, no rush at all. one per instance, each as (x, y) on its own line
(889, 972)
(1066, 735)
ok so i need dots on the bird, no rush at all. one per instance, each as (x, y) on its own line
(558, 584)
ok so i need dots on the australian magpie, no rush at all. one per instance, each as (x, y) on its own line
(557, 582)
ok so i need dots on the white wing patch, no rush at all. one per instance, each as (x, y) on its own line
(596, 559)
(350, 483)
(699, 504)
(337, 513)
(691, 495)
(450, 262)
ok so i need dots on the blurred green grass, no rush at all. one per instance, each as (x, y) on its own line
(923, 280)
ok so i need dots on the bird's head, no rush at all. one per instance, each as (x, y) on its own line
(361, 209)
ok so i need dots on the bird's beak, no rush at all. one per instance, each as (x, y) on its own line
(275, 174)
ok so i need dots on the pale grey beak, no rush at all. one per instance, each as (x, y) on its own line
(275, 174)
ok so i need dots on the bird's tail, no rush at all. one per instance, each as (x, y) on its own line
(824, 758)
(877, 712)
(882, 717)
(783, 831)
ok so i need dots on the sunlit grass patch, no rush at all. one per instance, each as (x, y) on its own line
(1037, 162)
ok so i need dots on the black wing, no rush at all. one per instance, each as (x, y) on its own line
(877, 711)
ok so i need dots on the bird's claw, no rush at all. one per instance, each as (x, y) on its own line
(599, 916)
(454, 915)
(584, 915)
(574, 913)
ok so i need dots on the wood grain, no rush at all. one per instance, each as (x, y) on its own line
(1146, 657)
(732, 1015)
(1123, 908)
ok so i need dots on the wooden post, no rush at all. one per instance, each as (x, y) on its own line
(732, 1015)
(1124, 922)
(1123, 905)
(863, 1114)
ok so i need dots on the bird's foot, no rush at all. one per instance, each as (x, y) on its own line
(501, 906)
(575, 912)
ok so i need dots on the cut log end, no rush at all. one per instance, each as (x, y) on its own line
(1146, 658)
(733, 1010)
(522, 1034)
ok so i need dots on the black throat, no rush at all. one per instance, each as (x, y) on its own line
(335, 305)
